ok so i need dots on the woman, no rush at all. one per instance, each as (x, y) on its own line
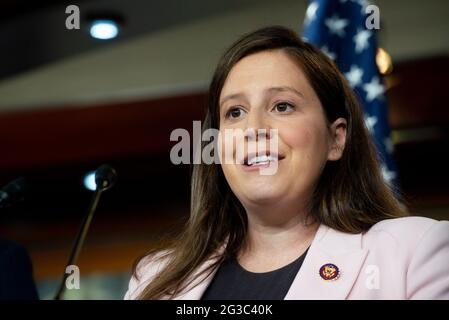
(324, 226)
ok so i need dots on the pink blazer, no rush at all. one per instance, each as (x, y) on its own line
(403, 258)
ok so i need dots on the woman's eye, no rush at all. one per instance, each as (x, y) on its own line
(283, 107)
(234, 113)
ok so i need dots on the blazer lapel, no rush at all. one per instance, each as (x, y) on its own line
(197, 288)
(329, 246)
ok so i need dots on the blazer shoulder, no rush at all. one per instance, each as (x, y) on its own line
(405, 226)
(147, 269)
(409, 231)
(419, 248)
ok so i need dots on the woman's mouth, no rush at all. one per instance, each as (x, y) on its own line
(255, 162)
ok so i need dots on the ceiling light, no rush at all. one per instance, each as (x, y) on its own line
(104, 29)
(383, 61)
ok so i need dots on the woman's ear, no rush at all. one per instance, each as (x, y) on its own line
(338, 139)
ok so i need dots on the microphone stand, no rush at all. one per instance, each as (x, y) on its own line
(80, 239)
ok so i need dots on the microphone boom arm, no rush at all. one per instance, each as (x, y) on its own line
(79, 240)
(105, 177)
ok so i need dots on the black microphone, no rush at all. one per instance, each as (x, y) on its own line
(105, 178)
(13, 192)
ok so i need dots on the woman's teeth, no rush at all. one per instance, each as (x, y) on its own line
(261, 160)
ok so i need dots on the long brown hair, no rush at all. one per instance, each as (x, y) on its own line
(351, 194)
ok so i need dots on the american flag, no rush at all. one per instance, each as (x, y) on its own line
(338, 28)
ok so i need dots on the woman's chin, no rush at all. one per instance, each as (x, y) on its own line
(263, 195)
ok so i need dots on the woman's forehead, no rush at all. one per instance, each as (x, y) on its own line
(263, 70)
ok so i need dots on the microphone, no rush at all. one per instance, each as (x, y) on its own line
(13, 192)
(105, 178)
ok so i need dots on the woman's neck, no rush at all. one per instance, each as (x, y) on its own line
(275, 239)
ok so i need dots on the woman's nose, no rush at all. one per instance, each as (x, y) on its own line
(257, 127)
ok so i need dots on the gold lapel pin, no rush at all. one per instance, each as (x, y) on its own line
(329, 272)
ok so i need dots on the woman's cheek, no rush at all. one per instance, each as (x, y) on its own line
(296, 137)
(232, 146)
(226, 145)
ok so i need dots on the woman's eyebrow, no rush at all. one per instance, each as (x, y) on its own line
(286, 88)
(272, 89)
(230, 97)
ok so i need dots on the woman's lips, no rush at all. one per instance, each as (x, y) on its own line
(256, 167)
(261, 156)
(251, 163)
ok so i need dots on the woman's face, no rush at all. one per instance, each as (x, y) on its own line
(268, 90)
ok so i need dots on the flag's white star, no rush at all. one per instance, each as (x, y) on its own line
(354, 76)
(373, 89)
(361, 40)
(388, 175)
(311, 12)
(328, 53)
(363, 4)
(370, 122)
(388, 144)
(336, 25)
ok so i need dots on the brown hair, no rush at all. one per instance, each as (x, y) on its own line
(351, 195)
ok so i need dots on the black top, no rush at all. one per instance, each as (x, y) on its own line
(233, 282)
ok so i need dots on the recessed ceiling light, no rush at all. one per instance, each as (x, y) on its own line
(104, 29)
